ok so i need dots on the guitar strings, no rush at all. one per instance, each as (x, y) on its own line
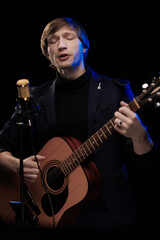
(51, 177)
(109, 126)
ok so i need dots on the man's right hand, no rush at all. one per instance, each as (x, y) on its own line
(30, 167)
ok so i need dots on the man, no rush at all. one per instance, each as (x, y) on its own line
(77, 103)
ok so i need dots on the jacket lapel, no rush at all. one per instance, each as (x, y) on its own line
(50, 105)
(95, 92)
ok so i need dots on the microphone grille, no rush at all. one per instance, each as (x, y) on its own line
(23, 89)
(22, 82)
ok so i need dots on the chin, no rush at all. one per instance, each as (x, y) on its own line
(65, 66)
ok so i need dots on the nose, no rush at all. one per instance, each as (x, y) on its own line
(61, 44)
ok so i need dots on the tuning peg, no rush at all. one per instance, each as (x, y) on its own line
(144, 86)
(157, 104)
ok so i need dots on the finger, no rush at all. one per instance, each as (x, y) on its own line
(117, 121)
(30, 177)
(120, 126)
(39, 157)
(29, 163)
(121, 117)
(28, 170)
(124, 109)
(123, 104)
(32, 162)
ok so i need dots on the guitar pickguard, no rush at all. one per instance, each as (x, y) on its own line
(58, 201)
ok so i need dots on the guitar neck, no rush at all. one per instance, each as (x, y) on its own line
(89, 146)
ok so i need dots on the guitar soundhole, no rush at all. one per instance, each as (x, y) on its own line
(55, 180)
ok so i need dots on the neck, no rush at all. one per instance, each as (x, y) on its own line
(72, 73)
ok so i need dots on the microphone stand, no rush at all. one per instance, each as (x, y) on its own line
(21, 172)
(24, 119)
(26, 109)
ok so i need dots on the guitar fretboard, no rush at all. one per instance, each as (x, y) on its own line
(88, 147)
(95, 141)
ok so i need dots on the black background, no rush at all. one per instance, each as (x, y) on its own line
(124, 43)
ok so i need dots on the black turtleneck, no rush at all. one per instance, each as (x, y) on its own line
(72, 106)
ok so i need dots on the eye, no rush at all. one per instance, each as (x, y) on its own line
(70, 36)
(52, 40)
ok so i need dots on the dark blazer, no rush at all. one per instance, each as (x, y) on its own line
(105, 95)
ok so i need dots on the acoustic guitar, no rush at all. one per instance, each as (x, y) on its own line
(67, 179)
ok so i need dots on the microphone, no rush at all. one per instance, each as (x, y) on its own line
(26, 107)
(23, 89)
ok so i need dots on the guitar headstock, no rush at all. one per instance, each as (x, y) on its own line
(151, 94)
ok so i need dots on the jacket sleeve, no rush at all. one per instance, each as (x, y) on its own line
(9, 135)
(144, 160)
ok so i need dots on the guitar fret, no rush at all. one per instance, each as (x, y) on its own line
(71, 161)
(77, 157)
(81, 156)
(74, 164)
(67, 166)
(105, 130)
(93, 142)
(99, 138)
(88, 144)
(85, 152)
(111, 122)
(75, 160)
(102, 132)
(64, 169)
(88, 151)
(108, 129)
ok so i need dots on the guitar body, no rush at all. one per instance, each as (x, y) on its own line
(68, 194)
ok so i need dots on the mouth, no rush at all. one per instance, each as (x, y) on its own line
(63, 56)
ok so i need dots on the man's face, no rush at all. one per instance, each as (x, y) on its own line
(65, 49)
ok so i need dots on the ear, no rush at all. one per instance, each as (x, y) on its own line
(85, 50)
